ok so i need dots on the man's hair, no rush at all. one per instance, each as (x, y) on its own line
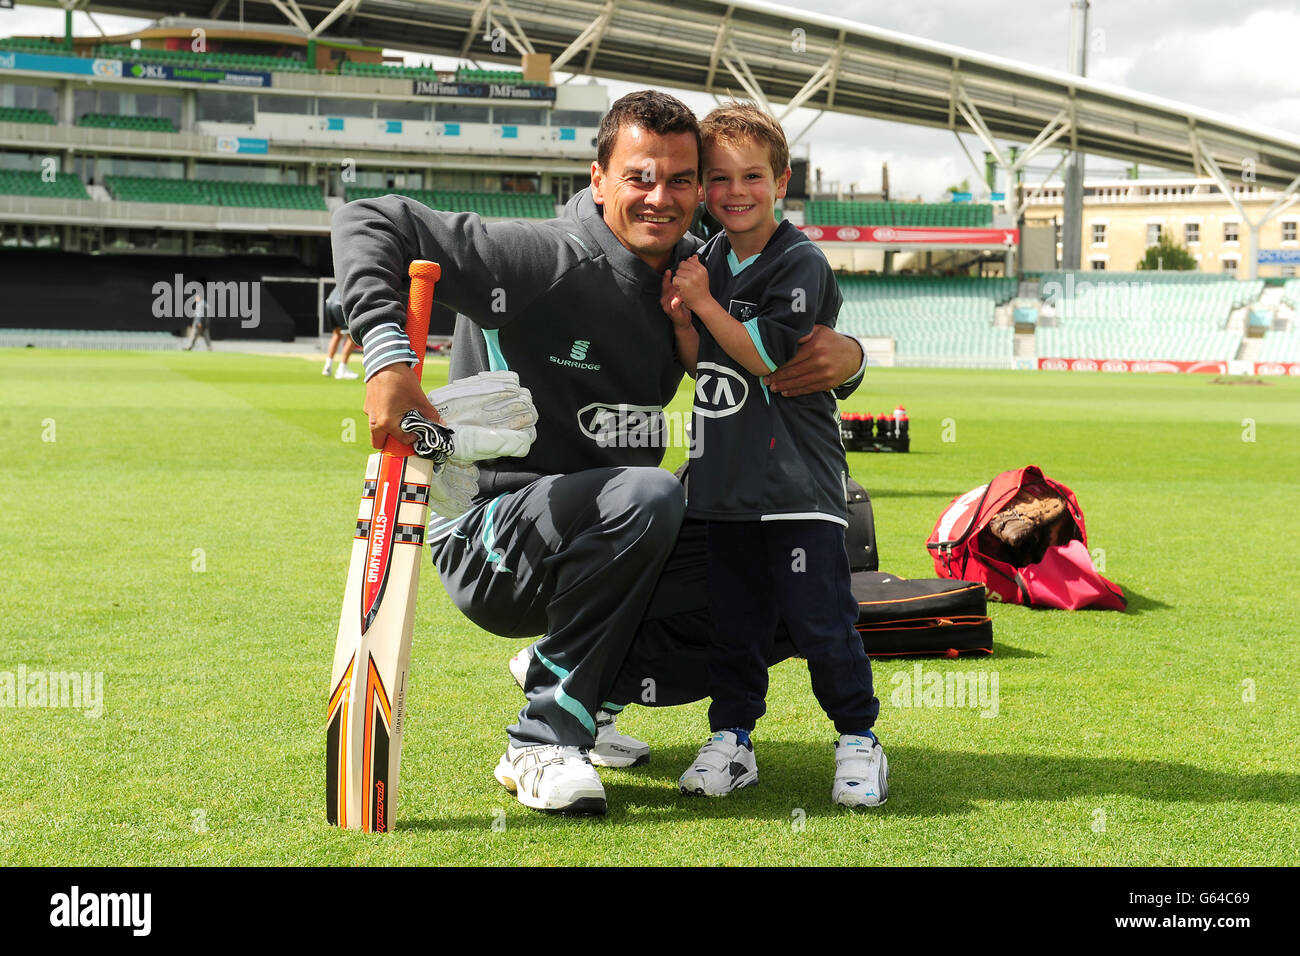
(734, 124)
(651, 110)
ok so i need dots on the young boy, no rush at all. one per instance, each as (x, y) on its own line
(770, 478)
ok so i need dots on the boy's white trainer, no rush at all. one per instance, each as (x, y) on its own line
(551, 778)
(861, 772)
(611, 748)
(723, 764)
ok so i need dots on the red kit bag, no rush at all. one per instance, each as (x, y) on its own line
(1022, 536)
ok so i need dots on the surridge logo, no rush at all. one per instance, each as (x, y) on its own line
(719, 391)
(577, 356)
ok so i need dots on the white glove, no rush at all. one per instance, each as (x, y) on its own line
(452, 490)
(488, 399)
(465, 444)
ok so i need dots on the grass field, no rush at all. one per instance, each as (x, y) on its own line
(181, 523)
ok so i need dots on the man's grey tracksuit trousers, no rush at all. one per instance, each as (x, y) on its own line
(601, 563)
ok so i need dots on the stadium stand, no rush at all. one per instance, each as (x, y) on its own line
(393, 70)
(488, 205)
(30, 45)
(1179, 316)
(821, 212)
(931, 320)
(147, 124)
(1137, 342)
(1291, 293)
(225, 61)
(1280, 347)
(468, 75)
(65, 186)
(17, 114)
(214, 192)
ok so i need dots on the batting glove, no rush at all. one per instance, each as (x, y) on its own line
(452, 490)
(488, 399)
(465, 444)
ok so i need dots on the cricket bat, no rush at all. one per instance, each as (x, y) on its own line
(367, 700)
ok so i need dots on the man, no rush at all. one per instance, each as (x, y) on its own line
(581, 540)
(334, 313)
(197, 309)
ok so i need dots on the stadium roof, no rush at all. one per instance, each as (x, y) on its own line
(786, 58)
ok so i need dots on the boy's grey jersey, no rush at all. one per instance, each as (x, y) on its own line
(562, 302)
(764, 456)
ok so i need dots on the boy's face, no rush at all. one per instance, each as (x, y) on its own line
(740, 188)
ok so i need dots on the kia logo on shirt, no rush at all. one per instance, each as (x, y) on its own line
(719, 391)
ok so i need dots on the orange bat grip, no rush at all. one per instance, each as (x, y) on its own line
(424, 276)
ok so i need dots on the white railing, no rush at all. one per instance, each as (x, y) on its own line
(145, 214)
(127, 140)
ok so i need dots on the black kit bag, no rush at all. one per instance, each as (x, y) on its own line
(860, 535)
(898, 617)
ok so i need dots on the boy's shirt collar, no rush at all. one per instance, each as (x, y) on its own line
(785, 234)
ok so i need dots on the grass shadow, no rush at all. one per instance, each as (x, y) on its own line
(795, 777)
(1139, 604)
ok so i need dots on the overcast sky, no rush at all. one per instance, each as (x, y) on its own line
(1241, 61)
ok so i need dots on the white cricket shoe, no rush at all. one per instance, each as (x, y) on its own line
(344, 372)
(722, 765)
(551, 778)
(611, 748)
(328, 369)
(861, 772)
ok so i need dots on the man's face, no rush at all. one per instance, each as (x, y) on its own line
(649, 191)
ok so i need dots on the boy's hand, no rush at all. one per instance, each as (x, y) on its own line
(692, 283)
(670, 301)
